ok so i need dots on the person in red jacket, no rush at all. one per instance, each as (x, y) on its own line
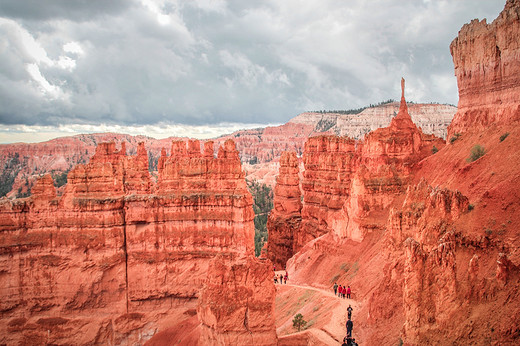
(348, 292)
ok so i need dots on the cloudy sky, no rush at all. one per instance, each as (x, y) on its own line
(205, 67)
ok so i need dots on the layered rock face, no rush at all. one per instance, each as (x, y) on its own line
(347, 181)
(431, 118)
(329, 163)
(236, 307)
(112, 256)
(284, 220)
(348, 185)
(487, 66)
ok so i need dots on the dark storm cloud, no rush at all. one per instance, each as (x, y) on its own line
(215, 61)
(76, 10)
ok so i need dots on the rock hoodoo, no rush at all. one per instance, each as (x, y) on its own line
(487, 66)
(117, 253)
(284, 220)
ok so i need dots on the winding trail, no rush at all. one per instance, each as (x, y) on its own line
(333, 331)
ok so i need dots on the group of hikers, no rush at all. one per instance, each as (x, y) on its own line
(283, 278)
(341, 291)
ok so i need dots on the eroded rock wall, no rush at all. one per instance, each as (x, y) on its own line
(236, 307)
(285, 217)
(346, 182)
(487, 66)
(116, 252)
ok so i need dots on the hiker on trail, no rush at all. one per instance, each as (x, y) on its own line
(335, 288)
(348, 292)
(354, 343)
(346, 341)
(281, 279)
(339, 290)
(276, 279)
(343, 290)
(350, 325)
(285, 278)
(349, 311)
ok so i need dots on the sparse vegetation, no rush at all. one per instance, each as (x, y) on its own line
(262, 205)
(454, 137)
(253, 160)
(471, 207)
(504, 136)
(152, 162)
(356, 110)
(324, 125)
(60, 178)
(334, 278)
(9, 172)
(476, 153)
(299, 322)
(434, 149)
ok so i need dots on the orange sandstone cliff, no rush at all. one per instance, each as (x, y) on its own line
(487, 66)
(347, 185)
(285, 217)
(441, 262)
(118, 258)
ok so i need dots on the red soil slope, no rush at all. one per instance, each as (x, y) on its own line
(444, 268)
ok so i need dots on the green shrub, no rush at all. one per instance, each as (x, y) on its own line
(434, 149)
(454, 138)
(504, 136)
(476, 153)
(471, 207)
(298, 322)
(60, 179)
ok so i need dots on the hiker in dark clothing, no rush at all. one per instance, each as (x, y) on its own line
(281, 279)
(349, 311)
(285, 278)
(335, 288)
(346, 341)
(350, 325)
(275, 279)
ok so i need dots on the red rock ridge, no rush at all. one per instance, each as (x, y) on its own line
(487, 66)
(116, 253)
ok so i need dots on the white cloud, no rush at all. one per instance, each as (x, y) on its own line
(73, 47)
(47, 88)
(213, 61)
(26, 133)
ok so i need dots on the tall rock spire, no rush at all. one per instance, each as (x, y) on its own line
(403, 118)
